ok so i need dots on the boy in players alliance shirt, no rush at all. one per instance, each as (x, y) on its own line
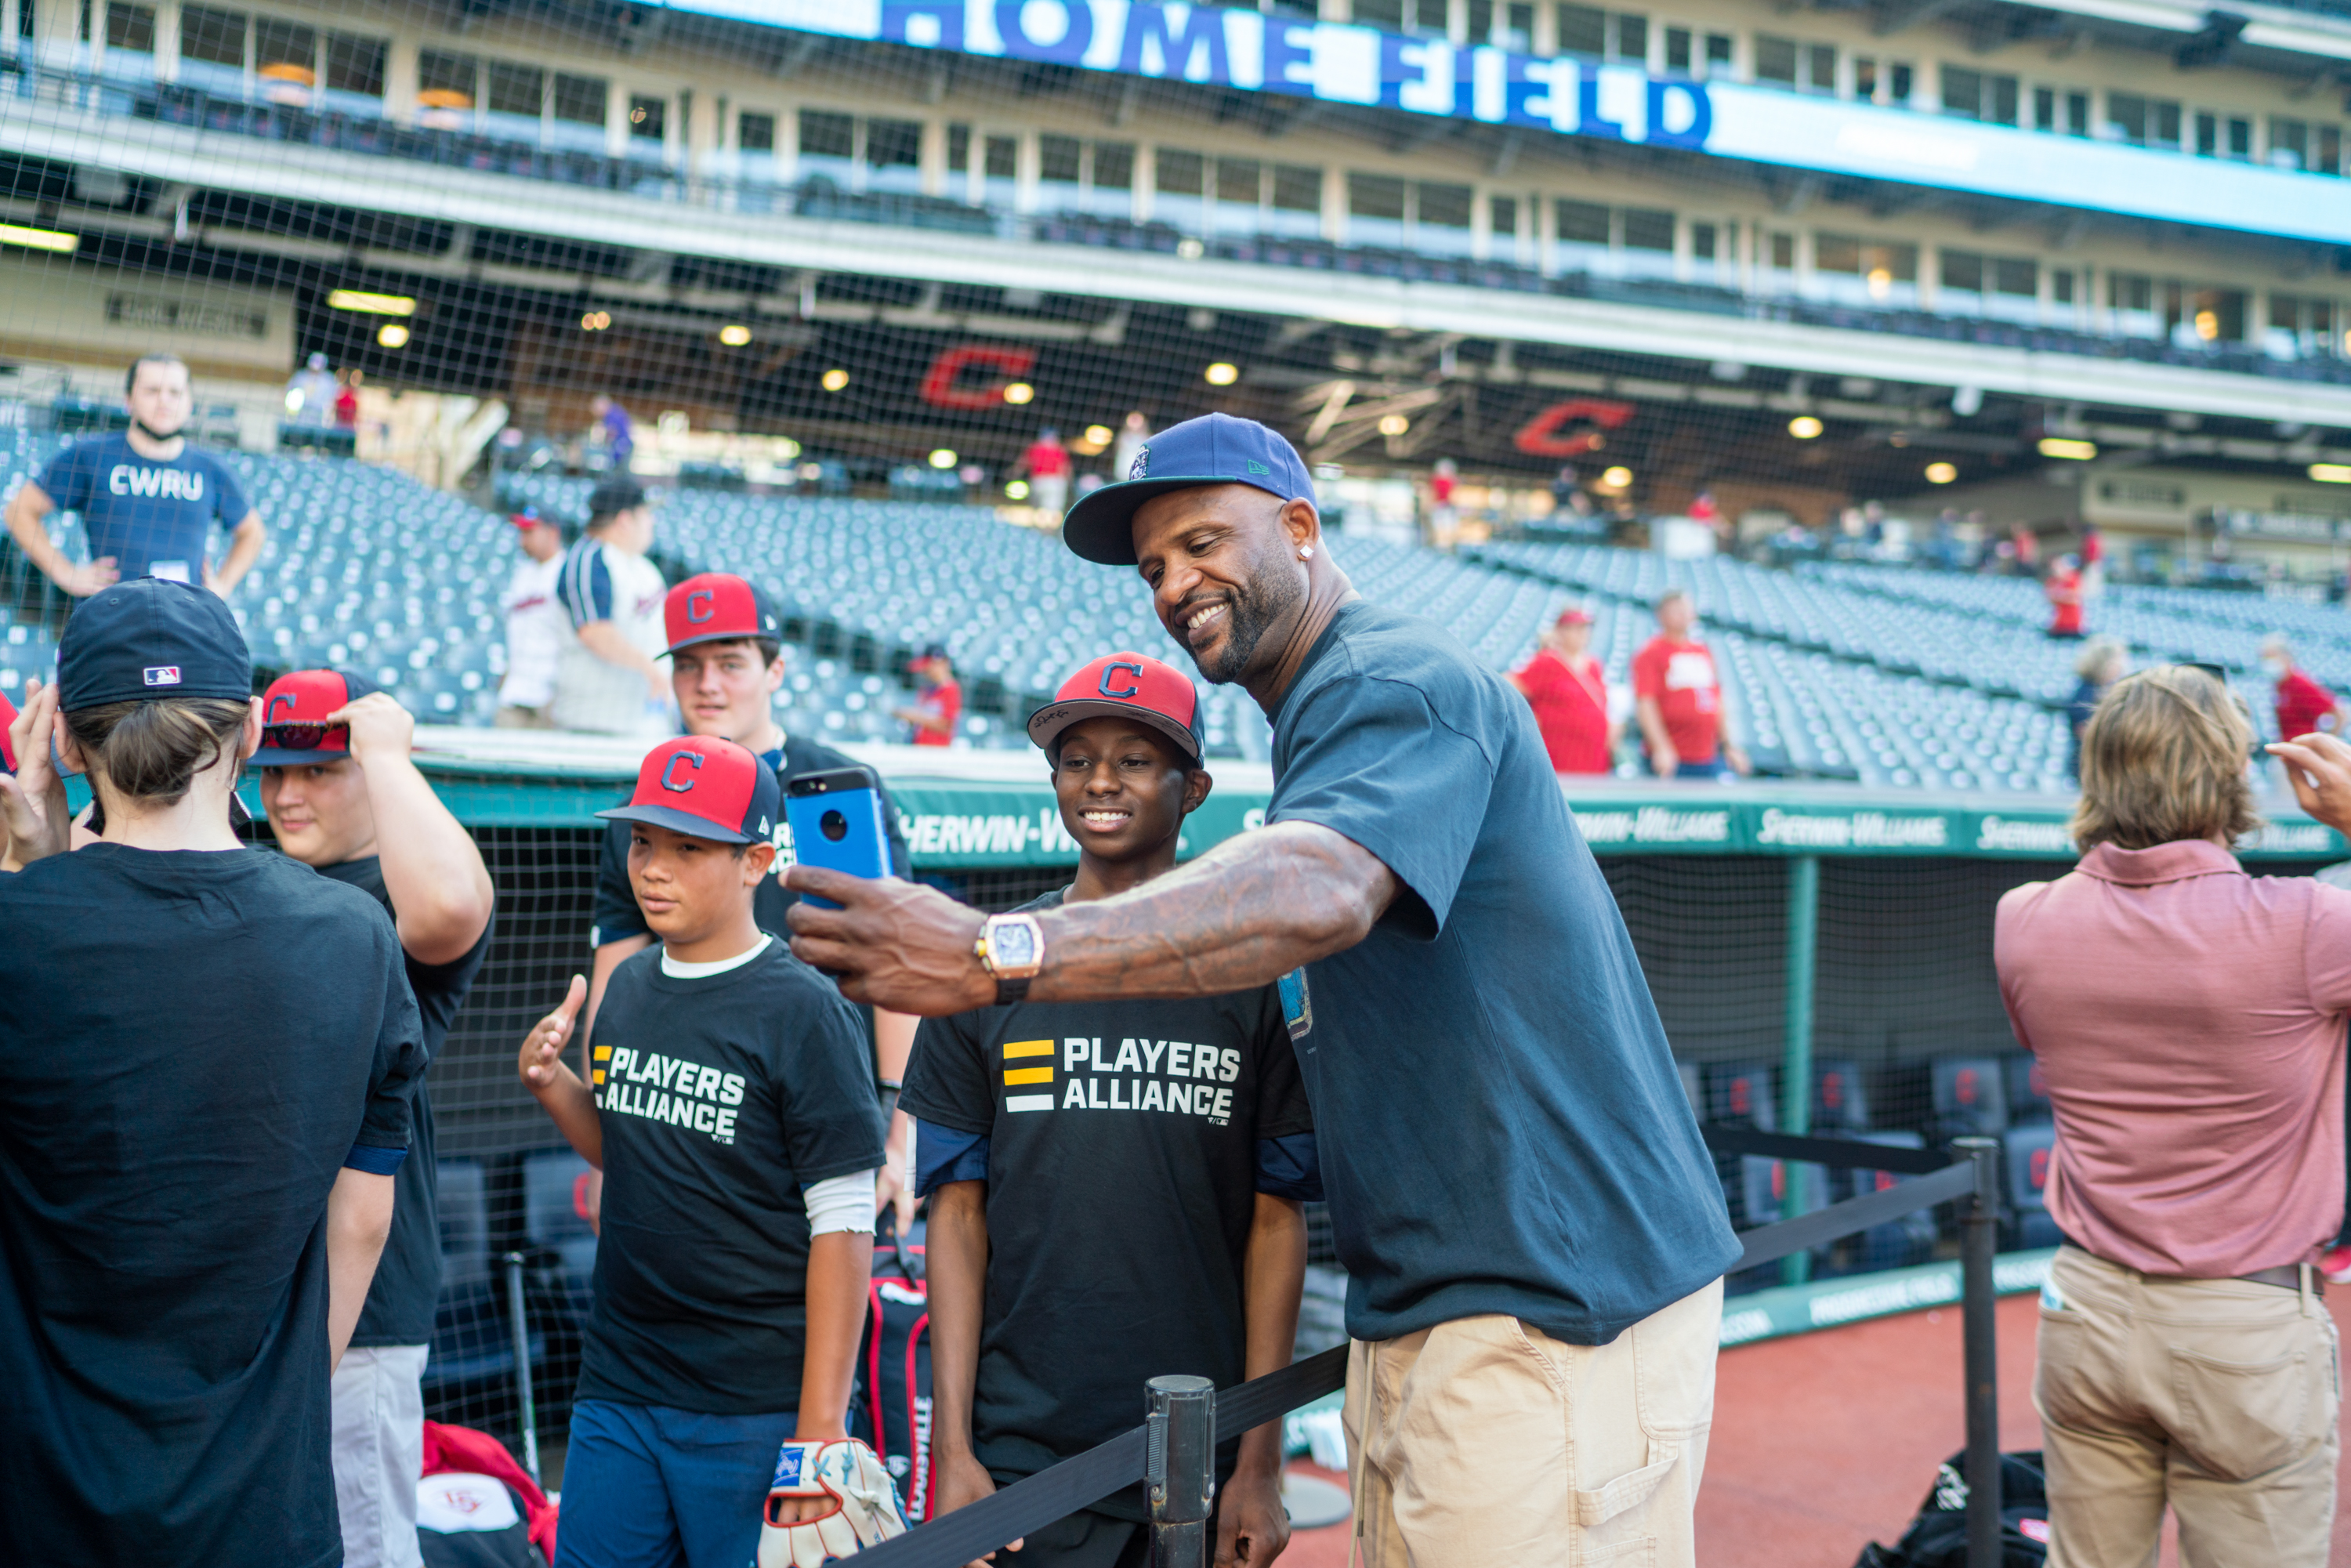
(731, 1107)
(1114, 1186)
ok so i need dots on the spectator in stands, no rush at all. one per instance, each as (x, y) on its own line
(535, 625)
(2304, 706)
(1132, 433)
(311, 396)
(938, 698)
(731, 1108)
(2064, 588)
(2189, 1021)
(1201, 1253)
(608, 675)
(2094, 561)
(614, 433)
(1569, 693)
(1445, 944)
(1443, 517)
(147, 498)
(1046, 465)
(2102, 663)
(345, 799)
(210, 1059)
(346, 401)
(1677, 698)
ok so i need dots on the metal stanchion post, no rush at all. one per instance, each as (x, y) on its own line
(1179, 1473)
(1796, 1061)
(522, 1364)
(1979, 1237)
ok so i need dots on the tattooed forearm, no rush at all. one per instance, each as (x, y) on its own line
(1243, 914)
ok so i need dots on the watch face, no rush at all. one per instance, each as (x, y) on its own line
(1012, 943)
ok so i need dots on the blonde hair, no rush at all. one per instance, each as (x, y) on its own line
(2163, 759)
(2097, 654)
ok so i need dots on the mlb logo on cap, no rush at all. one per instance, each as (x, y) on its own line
(1125, 685)
(705, 788)
(163, 674)
(294, 728)
(718, 607)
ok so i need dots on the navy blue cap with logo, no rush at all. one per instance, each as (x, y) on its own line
(148, 639)
(1214, 449)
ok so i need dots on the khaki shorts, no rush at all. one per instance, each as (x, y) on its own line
(1485, 1442)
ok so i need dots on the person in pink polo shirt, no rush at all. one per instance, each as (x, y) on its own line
(2188, 1021)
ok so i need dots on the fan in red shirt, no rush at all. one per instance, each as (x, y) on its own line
(938, 704)
(1678, 698)
(2064, 590)
(2304, 706)
(1569, 693)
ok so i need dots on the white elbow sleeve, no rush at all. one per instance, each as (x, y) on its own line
(844, 1203)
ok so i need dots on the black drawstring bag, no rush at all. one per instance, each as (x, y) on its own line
(1938, 1538)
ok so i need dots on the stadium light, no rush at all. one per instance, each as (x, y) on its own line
(1019, 391)
(1191, 249)
(1940, 473)
(2059, 446)
(1394, 425)
(1098, 435)
(2331, 473)
(392, 335)
(1221, 374)
(366, 304)
(735, 335)
(1805, 427)
(1617, 478)
(595, 320)
(834, 380)
(2208, 325)
(943, 457)
(1017, 491)
(57, 240)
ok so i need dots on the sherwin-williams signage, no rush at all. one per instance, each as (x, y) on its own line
(1340, 63)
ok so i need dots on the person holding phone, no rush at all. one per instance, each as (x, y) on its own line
(1191, 1111)
(1531, 1226)
(731, 1107)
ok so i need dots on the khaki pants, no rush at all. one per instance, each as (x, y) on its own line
(1486, 1442)
(2218, 1396)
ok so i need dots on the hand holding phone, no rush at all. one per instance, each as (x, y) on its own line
(835, 817)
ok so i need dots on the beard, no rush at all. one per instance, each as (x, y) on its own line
(1268, 596)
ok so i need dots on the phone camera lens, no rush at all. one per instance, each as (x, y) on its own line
(834, 826)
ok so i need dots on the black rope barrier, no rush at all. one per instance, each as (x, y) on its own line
(1036, 1501)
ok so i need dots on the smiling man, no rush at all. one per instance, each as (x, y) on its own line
(1532, 1227)
(1189, 1111)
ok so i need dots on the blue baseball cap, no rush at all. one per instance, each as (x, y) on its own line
(1214, 449)
(148, 639)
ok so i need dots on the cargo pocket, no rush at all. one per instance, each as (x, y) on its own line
(1626, 1492)
(2239, 1419)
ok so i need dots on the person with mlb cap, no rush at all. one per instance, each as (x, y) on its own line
(1569, 693)
(211, 1053)
(730, 1105)
(608, 674)
(940, 703)
(1518, 1189)
(344, 798)
(1155, 1153)
(725, 656)
(534, 620)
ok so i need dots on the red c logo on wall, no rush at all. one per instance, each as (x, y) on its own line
(941, 382)
(1541, 436)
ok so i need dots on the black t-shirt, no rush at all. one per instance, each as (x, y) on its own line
(720, 1097)
(1122, 1180)
(197, 1044)
(1500, 1125)
(400, 1303)
(618, 918)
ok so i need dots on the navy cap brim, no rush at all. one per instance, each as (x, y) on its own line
(1101, 527)
(678, 821)
(1046, 725)
(272, 756)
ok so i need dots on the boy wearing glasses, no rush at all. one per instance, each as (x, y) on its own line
(344, 798)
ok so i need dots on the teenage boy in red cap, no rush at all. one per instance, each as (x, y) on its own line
(1569, 693)
(1191, 1111)
(731, 1107)
(726, 664)
(344, 798)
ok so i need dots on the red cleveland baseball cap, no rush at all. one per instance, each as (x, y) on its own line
(1125, 685)
(1573, 615)
(294, 711)
(7, 751)
(718, 607)
(705, 788)
(528, 518)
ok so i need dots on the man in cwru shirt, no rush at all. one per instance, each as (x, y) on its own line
(1532, 1230)
(731, 1108)
(344, 798)
(1130, 1163)
(148, 499)
(210, 1053)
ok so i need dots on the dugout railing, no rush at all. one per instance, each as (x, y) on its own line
(1821, 957)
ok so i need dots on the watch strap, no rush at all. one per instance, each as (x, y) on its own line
(1008, 991)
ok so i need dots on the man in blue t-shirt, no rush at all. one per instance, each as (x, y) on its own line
(148, 499)
(1530, 1225)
